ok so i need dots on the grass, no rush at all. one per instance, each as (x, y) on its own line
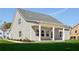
(2, 41)
(69, 45)
(72, 41)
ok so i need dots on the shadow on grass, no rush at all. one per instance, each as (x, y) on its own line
(40, 47)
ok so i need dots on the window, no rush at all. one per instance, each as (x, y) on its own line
(51, 34)
(42, 33)
(60, 34)
(37, 32)
(0, 33)
(74, 37)
(19, 21)
(47, 33)
(71, 37)
(20, 33)
(75, 31)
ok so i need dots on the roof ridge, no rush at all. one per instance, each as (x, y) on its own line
(75, 25)
(33, 12)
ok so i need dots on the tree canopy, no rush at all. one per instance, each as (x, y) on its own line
(6, 26)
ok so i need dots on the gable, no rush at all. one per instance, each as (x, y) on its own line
(74, 29)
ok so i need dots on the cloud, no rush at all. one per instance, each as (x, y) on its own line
(60, 11)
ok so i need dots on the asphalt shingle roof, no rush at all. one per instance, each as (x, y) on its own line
(35, 16)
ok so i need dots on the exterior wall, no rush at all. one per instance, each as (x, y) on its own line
(33, 34)
(67, 34)
(25, 27)
(19, 27)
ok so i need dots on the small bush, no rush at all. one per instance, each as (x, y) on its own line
(22, 40)
(27, 40)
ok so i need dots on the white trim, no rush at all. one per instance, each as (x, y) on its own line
(63, 36)
(53, 29)
(39, 32)
(30, 33)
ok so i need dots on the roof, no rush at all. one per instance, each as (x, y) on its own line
(75, 26)
(35, 16)
(67, 27)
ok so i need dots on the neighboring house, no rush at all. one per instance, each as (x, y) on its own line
(1, 33)
(74, 32)
(37, 27)
(6, 28)
(7, 34)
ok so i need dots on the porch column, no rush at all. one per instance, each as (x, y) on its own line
(30, 33)
(63, 36)
(53, 29)
(39, 32)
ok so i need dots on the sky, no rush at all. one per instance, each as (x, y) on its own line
(68, 16)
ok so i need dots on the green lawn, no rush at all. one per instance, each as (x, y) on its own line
(72, 41)
(70, 45)
(2, 41)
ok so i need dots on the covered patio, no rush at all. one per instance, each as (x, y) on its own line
(46, 31)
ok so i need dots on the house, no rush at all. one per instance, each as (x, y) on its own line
(7, 34)
(74, 32)
(37, 27)
(1, 33)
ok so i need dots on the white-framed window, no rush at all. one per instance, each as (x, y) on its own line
(37, 32)
(42, 32)
(60, 34)
(47, 33)
(19, 21)
(20, 33)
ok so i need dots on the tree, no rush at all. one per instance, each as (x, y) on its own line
(6, 26)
